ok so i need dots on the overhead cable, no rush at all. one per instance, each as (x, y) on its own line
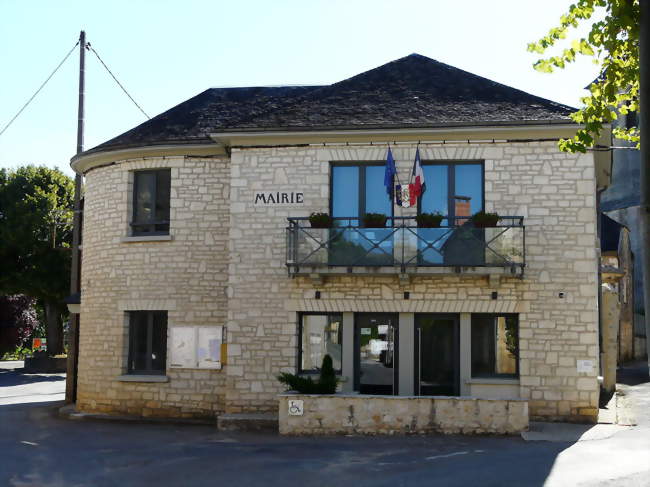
(39, 89)
(116, 80)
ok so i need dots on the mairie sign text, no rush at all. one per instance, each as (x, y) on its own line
(279, 198)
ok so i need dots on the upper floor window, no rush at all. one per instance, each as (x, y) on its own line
(495, 345)
(358, 189)
(453, 188)
(151, 192)
(147, 342)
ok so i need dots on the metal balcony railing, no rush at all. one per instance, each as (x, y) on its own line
(404, 245)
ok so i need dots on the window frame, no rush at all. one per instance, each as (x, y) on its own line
(451, 183)
(517, 358)
(362, 188)
(136, 226)
(150, 323)
(301, 314)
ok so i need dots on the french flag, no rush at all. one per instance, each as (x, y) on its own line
(418, 187)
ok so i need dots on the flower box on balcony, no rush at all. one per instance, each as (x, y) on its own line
(485, 220)
(374, 220)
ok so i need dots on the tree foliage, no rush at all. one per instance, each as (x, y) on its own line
(18, 321)
(613, 44)
(36, 206)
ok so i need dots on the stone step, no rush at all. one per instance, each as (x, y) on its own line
(248, 422)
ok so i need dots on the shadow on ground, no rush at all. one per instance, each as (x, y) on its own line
(633, 374)
(18, 377)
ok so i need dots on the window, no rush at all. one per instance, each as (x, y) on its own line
(358, 189)
(151, 192)
(147, 342)
(495, 345)
(453, 188)
(320, 334)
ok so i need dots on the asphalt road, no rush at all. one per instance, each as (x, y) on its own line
(38, 448)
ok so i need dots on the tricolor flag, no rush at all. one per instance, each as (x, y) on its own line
(389, 174)
(418, 187)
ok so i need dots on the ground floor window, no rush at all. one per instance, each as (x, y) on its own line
(147, 342)
(320, 334)
(495, 345)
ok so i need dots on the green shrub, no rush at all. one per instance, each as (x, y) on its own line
(320, 220)
(374, 220)
(326, 383)
(482, 219)
(429, 220)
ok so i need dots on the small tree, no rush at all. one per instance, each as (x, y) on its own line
(328, 380)
(35, 234)
(18, 321)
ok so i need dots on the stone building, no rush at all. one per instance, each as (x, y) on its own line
(202, 278)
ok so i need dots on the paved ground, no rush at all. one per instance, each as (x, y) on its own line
(40, 449)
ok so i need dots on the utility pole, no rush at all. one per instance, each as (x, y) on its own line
(75, 285)
(644, 125)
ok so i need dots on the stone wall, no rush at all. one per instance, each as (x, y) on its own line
(354, 414)
(555, 192)
(185, 276)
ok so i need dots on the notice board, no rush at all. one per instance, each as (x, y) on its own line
(196, 347)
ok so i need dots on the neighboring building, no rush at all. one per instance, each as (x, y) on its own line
(620, 201)
(617, 271)
(202, 280)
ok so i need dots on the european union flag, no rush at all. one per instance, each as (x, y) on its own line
(389, 174)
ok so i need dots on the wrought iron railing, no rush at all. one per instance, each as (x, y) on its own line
(403, 244)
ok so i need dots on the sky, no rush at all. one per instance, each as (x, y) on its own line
(165, 52)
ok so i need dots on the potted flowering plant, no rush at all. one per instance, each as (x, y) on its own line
(374, 220)
(429, 220)
(320, 220)
(483, 219)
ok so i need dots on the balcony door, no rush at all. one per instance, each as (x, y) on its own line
(454, 189)
(376, 341)
(437, 355)
(357, 189)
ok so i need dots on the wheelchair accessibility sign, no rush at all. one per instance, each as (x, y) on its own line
(296, 407)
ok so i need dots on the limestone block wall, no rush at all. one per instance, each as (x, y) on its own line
(185, 276)
(354, 414)
(554, 191)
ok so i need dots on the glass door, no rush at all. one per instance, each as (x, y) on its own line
(437, 355)
(375, 353)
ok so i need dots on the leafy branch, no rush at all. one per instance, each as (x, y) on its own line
(613, 44)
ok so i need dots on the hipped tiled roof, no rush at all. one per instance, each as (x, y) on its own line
(411, 92)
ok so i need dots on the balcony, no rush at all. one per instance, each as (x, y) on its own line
(404, 249)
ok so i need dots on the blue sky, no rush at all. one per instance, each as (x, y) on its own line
(165, 52)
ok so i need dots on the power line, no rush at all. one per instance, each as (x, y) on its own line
(118, 83)
(39, 89)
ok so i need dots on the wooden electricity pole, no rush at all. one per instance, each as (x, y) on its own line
(75, 285)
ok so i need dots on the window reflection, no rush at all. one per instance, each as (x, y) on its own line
(495, 345)
(320, 335)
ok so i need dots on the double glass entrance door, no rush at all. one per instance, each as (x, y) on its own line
(376, 357)
(437, 361)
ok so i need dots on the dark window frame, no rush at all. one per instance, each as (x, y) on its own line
(357, 348)
(451, 182)
(362, 187)
(150, 319)
(299, 342)
(149, 227)
(517, 358)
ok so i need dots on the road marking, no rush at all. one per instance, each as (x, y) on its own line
(447, 455)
